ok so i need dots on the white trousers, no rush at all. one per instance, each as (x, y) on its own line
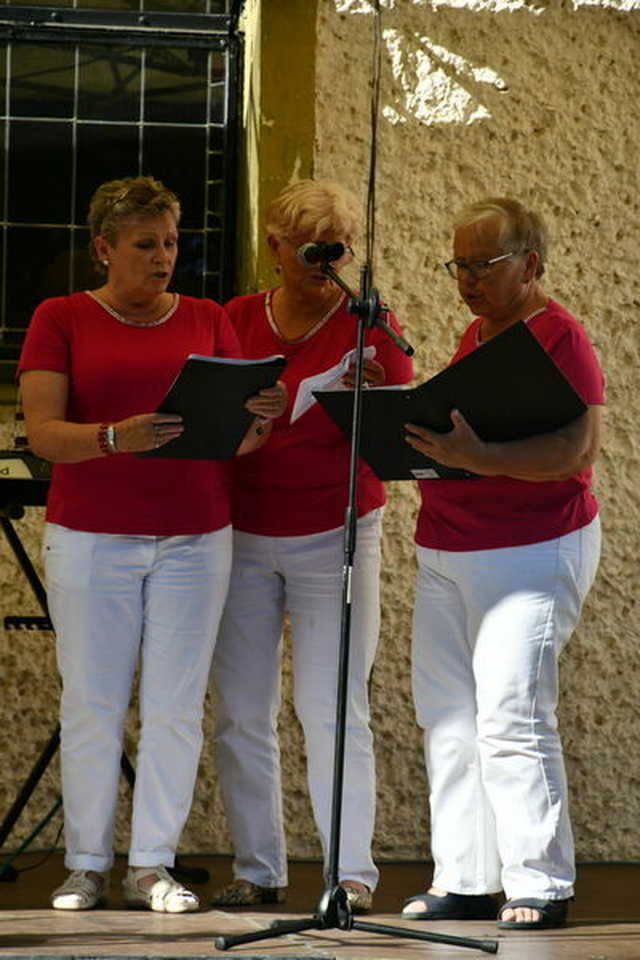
(115, 600)
(304, 576)
(488, 628)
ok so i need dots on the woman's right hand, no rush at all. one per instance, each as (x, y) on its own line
(374, 374)
(147, 431)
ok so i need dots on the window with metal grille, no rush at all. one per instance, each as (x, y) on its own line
(96, 91)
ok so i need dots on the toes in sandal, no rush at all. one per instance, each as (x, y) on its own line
(453, 906)
(244, 893)
(155, 888)
(82, 890)
(553, 913)
(358, 894)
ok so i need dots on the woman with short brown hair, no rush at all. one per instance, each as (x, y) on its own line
(137, 551)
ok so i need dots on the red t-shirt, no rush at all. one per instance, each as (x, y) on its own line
(490, 512)
(298, 482)
(117, 370)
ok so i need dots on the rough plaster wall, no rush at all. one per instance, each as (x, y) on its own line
(557, 126)
(538, 102)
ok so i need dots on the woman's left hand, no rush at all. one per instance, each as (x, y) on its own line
(461, 447)
(269, 403)
(266, 405)
(374, 374)
(553, 456)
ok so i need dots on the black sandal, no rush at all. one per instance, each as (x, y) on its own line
(454, 906)
(553, 913)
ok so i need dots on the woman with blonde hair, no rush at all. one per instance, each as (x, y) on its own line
(137, 551)
(288, 514)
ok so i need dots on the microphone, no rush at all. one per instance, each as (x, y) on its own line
(311, 253)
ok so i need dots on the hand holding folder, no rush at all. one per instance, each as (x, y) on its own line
(507, 389)
(210, 393)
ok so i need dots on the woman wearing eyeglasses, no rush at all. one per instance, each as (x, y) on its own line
(288, 516)
(505, 562)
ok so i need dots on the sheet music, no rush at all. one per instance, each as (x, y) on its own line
(330, 379)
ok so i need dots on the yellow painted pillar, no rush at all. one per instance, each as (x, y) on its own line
(278, 124)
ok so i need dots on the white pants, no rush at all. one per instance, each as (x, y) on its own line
(304, 576)
(114, 600)
(488, 628)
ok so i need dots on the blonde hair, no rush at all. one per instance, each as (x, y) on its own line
(120, 200)
(520, 229)
(311, 208)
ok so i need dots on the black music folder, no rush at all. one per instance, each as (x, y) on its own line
(507, 389)
(210, 393)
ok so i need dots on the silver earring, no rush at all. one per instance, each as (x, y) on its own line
(105, 263)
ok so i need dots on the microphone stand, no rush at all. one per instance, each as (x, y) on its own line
(333, 911)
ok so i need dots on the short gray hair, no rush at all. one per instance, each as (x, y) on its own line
(520, 229)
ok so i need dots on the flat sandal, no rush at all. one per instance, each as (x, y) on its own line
(453, 906)
(244, 893)
(165, 895)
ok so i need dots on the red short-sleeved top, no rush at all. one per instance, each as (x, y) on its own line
(298, 482)
(117, 370)
(491, 512)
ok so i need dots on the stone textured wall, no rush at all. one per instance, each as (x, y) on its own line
(536, 101)
(477, 97)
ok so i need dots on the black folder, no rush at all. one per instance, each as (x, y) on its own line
(507, 389)
(210, 393)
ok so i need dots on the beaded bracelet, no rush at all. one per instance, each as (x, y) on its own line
(107, 439)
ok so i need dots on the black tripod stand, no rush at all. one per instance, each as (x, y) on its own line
(333, 911)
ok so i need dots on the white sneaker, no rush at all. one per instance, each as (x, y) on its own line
(155, 888)
(82, 890)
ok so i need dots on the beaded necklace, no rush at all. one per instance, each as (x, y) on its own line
(135, 323)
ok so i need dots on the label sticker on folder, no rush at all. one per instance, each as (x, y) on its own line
(14, 468)
(426, 473)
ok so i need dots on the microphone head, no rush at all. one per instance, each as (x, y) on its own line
(309, 254)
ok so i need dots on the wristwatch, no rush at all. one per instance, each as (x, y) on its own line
(110, 437)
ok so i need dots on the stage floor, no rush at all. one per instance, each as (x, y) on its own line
(605, 921)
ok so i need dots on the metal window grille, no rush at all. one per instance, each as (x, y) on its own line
(92, 94)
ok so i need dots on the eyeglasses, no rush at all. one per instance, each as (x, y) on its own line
(476, 268)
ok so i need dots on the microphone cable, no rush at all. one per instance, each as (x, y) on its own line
(370, 231)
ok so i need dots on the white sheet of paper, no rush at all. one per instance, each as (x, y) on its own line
(330, 379)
